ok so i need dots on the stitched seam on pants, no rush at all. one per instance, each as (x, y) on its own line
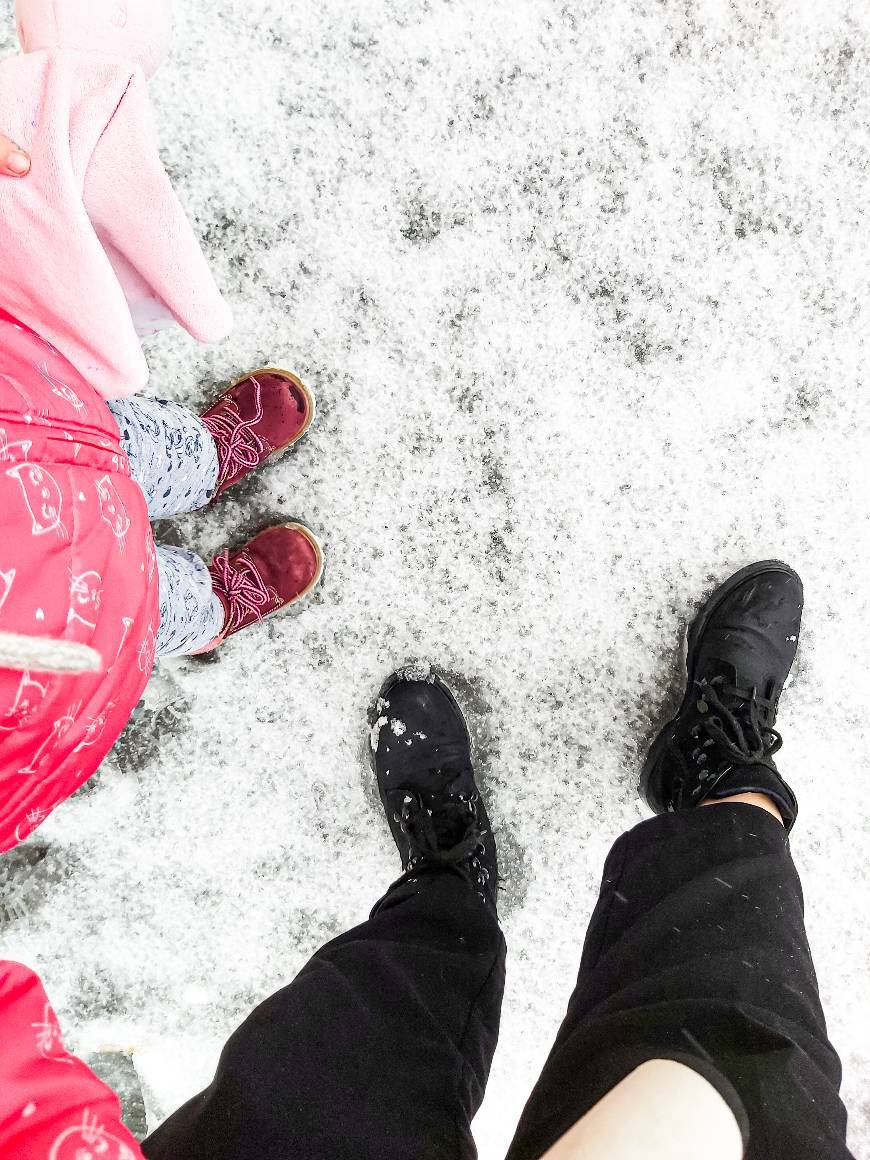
(614, 886)
(462, 1038)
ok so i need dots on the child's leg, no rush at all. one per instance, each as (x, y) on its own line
(191, 616)
(172, 453)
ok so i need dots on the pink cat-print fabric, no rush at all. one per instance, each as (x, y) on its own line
(52, 1106)
(77, 563)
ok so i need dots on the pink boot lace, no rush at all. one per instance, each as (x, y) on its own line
(243, 590)
(240, 449)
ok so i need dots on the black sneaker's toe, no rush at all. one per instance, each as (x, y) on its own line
(417, 725)
(748, 630)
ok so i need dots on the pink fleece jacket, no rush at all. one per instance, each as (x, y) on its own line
(94, 240)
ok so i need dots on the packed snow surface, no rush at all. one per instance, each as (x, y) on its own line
(582, 290)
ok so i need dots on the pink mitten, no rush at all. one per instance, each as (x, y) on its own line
(95, 235)
(136, 214)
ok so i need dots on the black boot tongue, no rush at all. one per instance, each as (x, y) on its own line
(721, 694)
(451, 814)
(719, 683)
(727, 698)
(745, 746)
(449, 828)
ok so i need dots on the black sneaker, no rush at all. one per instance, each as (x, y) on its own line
(422, 759)
(740, 650)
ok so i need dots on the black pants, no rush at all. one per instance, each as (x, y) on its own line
(381, 1048)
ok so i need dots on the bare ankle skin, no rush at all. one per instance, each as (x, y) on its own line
(662, 1111)
(750, 799)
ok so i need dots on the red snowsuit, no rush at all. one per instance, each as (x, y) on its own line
(52, 1107)
(77, 563)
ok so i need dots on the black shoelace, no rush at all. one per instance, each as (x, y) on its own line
(747, 739)
(448, 835)
(736, 734)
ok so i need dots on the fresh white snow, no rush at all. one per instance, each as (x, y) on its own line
(582, 290)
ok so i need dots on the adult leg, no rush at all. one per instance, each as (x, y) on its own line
(381, 1047)
(697, 951)
(663, 1110)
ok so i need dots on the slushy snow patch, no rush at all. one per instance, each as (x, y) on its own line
(375, 733)
(416, 671)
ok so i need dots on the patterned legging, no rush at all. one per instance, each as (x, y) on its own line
(175, 462)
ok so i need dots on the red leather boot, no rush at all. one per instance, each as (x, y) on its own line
(275, 569)
(257, 418)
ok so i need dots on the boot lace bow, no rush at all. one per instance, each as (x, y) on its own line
(733, 726)
(741, 729)
(243, 588)
(240, 449)
(448, 833)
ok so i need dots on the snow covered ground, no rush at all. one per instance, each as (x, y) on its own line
(582, 288)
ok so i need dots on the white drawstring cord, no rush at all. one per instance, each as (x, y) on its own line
(42, 654)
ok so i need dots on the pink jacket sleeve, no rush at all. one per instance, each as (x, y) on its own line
(135, 213)
(52, 1107)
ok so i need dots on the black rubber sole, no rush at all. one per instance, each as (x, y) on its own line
(647, 786)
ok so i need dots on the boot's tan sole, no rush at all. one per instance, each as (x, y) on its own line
(318, 552)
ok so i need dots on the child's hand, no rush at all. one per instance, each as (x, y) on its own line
(14, 162)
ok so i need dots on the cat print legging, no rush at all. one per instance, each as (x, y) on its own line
(175, 462)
